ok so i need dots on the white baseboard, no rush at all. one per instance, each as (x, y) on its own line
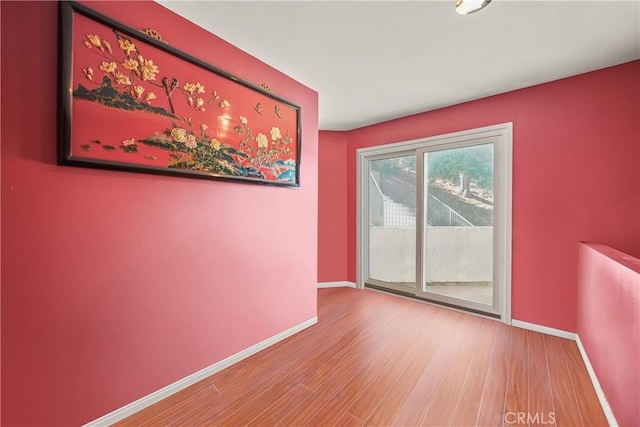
(336, 285)
(156, 396)
(596, 384)
(544, 329)
(611, 419)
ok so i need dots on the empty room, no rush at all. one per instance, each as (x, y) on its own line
(318, 213)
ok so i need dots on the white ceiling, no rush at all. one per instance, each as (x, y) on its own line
(372, 61)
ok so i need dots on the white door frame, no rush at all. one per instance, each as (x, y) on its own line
(502, 137)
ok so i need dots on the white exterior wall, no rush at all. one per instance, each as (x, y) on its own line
(454, 254)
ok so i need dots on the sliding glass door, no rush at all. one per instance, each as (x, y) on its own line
(434, 219)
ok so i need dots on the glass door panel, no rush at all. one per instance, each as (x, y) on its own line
(458, 209)
(392, 223)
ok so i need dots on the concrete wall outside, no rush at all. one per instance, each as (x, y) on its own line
(454, 254)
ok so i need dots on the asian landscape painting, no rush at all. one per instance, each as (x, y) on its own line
(138, 104)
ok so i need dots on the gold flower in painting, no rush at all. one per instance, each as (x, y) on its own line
(127, 46)
(88, 73)
(215, 144)
(138, 90)
(107, 46)
(95, 40)
(108, 67)
(130, 64)
(224, 103)
(193, 88)
(149, 96)
(179, 134)
(262, 140)
(128, 142)
(149, 70)
(275, 133)
(122, 79)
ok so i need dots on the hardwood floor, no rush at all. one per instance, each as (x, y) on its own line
(379, 360)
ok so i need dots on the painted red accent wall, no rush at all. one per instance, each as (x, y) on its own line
(576, 150)
(117, 284)
(332, 207)
(609, 325)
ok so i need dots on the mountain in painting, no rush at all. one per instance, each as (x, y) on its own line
(108, 96)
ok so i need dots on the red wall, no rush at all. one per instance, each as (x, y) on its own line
(609, 325)
(576, 147)
(332, 207)
(117, 284)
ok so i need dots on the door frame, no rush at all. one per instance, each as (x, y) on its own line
(502, 137)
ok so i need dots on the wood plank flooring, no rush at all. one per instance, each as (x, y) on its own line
(379, 360)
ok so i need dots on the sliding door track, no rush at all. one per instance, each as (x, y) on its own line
(431, 301)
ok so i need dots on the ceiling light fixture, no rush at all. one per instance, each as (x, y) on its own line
(465, 7)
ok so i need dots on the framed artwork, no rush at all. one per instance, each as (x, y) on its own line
(131, 101)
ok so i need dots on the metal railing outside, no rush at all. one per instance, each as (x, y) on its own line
(386, 211)
(440, 214)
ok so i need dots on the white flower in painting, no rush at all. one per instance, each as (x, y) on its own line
(275, 134)
(243, 120)
(128, 142)
(179, 134)
(262, 140)
(191, 141)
